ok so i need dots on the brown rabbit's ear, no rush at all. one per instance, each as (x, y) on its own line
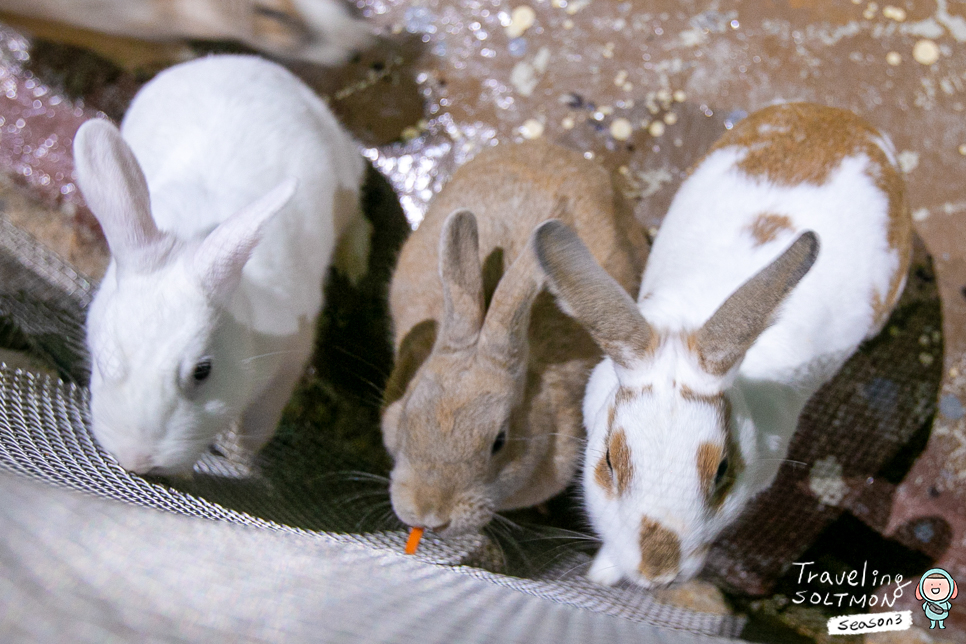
(504, 335)
(729, 333)
(279, 25)
(462, 277)
(591, 295)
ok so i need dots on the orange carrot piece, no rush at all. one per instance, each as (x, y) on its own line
(413, 542)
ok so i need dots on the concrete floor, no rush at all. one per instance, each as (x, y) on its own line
(645, 88)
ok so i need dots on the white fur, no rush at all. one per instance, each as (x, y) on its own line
(226, 277)
(702, 254)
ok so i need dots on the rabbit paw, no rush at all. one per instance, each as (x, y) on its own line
(604, 571)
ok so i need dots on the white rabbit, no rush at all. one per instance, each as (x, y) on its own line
(221, 204)
(319, 31)
(691, 413)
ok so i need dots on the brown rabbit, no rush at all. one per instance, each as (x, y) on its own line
(483, 409)
(319, 31)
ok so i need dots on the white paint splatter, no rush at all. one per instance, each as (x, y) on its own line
(825, 481)
(908, 161)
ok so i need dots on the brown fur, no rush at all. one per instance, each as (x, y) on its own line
(279, 25)
(736, 463)
(715, 400)
(604, 478)
(805, 144)
(510, 189)
(412, 352)
(660, 550)
(768, 226)
(276, 26)
(620, 458)
(709, 457)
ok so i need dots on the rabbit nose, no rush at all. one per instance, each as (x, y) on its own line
(432, 522)
(660, 551)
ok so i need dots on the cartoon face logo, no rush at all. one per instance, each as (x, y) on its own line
(936, 589)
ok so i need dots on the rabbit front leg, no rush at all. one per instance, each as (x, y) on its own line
(262, 415)
(604, 569)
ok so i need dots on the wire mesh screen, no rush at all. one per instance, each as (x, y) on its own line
(324, 473)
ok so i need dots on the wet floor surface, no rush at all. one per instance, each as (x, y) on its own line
(645, 89)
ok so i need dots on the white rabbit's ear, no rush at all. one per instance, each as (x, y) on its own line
(114, 188)
(729, 333)
(220, 258)
(591, 295)
(462, 276)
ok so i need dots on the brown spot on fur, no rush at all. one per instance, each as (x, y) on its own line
(798, 143)
(736, 463)
(802, 143)
(715, 400)
(691, 342)
(625, 395)
(611, 413)
(603, 478)
(660, 550)
(768, 226)
(709, 454)
(620, 459)
(709, 458)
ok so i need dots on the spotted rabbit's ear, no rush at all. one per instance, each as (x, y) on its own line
(590, 294)
(725, 338)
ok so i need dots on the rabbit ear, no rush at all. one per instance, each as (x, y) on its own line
(729, 333)
(591, 295)
(114, 188)
(462, 277)
(220, 258)
(504, 334)
(507, 321)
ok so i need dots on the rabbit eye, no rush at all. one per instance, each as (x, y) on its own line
(722, 470)
(610, 466)
(202, 370)
(499, 442)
